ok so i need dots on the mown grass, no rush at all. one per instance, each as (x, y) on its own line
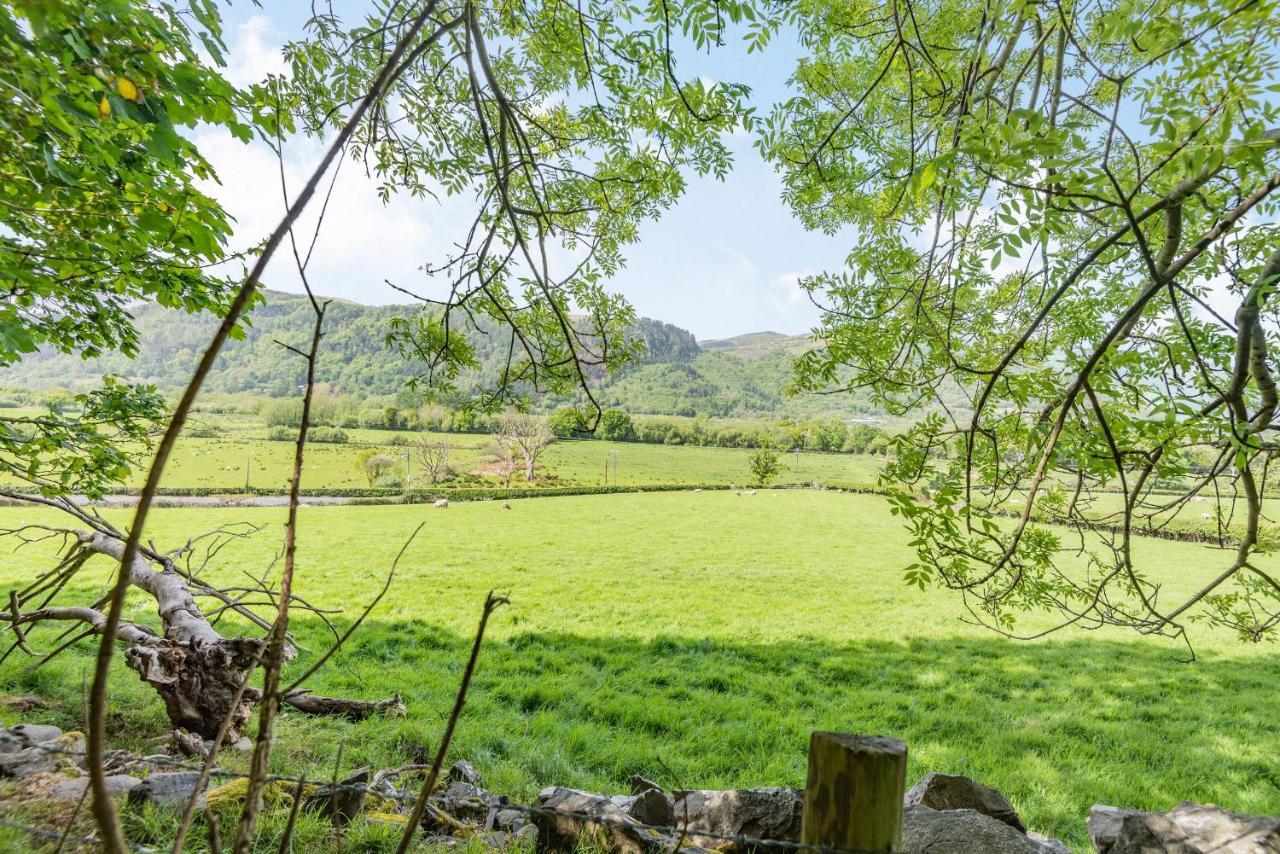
(708, 633)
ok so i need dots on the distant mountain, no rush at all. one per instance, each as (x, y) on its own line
(753, 345)
(677, 375)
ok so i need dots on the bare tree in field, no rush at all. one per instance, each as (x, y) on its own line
(505, 457)
(528, 436)
(432, 457)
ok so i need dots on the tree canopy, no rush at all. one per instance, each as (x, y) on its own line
(1065, 211)
(100, 207)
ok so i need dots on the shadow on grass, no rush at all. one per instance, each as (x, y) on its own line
(1056, 725)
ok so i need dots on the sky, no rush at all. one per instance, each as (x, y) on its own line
(723, 261)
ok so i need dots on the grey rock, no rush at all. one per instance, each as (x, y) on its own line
(1211, 828)
(467, 801)
(769, 813)
(441, 841)
(166, 788)
(341, 802)
(954, 792)
(509, 820)
(1151, 833)
(929, 831)
(652, 806)
(36, 733)
(244, 744)
(1187, 829)
(71, 790)
(463, 771)
(1048, 845)
(568, 817)
(74, 748)
(640, 785)
(1104, 824)
(27, 762)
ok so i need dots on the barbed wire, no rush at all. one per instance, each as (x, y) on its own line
(671, 833)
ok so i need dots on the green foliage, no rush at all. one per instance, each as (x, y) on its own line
(565, 422)
(87, 450)
(101, 208)
(615, 426)
(1037, 193)
(359, 369)
(376, 466)
(764, 465)
(321, 435)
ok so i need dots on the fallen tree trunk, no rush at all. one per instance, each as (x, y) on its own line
(198, 673)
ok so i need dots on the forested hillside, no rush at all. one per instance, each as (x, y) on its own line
(674, 375)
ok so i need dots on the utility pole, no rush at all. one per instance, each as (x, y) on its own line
(247, 463)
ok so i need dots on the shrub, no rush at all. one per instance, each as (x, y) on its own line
(565, 422)
(327, 435)
(374, 465)
(764, 465)
(615, 426)
(321, 435)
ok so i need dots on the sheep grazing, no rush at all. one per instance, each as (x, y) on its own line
(506, 505)
(440, 502)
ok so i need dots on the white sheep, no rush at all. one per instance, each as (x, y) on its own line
(440, 502)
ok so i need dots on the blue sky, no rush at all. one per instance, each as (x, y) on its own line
(722, 262)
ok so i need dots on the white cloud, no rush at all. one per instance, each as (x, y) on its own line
(785, 292)
(254, 51)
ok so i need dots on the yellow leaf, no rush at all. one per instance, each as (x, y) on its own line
(104, 108)
(127, 89)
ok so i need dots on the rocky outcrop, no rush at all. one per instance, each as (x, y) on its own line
(767, 813)
(1188, 828)
(964, 831)
(954, 792)
(568, 818)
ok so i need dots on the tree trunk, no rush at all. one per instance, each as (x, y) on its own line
(199, 681)
(196, 671)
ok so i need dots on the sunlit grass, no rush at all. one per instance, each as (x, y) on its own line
(712, 632)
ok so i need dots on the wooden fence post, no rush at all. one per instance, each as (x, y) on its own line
(853, 796)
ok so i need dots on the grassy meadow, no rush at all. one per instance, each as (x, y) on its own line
(241, 454)
(708, 633)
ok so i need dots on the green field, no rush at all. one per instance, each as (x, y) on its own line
(224, 462)
(709, 633)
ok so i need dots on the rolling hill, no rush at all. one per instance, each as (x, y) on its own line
(677, 375)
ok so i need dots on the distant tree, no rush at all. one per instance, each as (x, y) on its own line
(764, 465)
(565, 422)
(828, 434)
(615, 426)
(374, 465)
(432, 457)
(505, 457)
(527, 435)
